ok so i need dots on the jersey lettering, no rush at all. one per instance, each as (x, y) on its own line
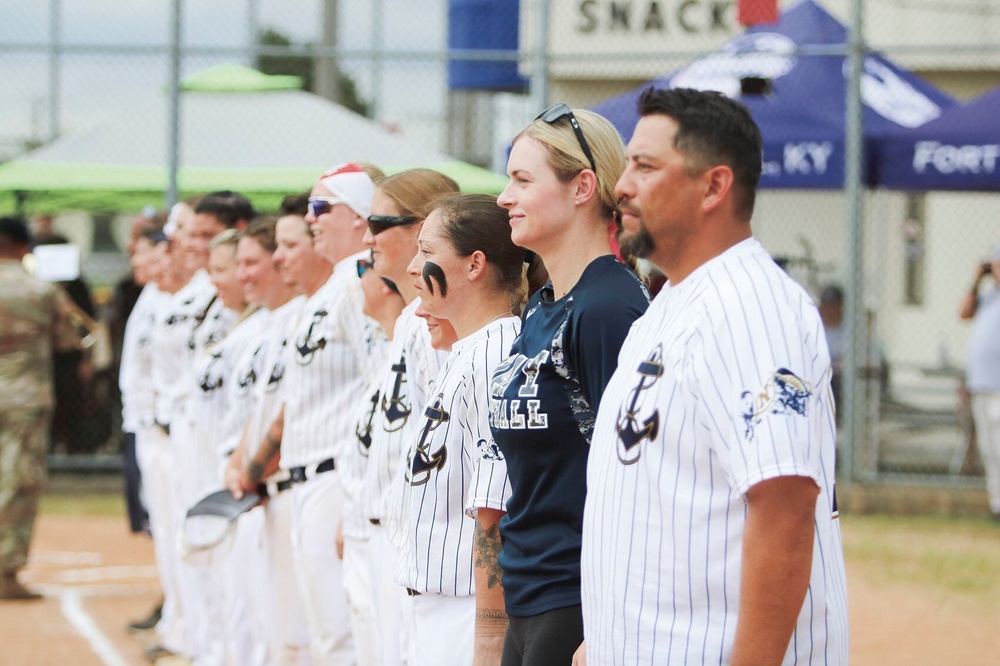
(530, 369)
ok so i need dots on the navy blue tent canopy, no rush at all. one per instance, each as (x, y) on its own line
(958, 151)
(802, 116)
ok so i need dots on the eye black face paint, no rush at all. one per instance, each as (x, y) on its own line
(432, 270)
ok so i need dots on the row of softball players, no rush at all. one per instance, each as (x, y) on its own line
(454, 400)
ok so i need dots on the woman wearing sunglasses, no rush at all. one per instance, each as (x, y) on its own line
(383, 304)
(399, 206)
(468, 273)
(561, 201)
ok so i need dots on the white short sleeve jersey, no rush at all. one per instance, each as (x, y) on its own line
(215, 369)
(180, 316)
(353, 463)
(138, 396)
(263, 374)
(722, 384)
(325, 372)
(404, 383)
(436, 549)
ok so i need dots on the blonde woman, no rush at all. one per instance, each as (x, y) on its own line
(561, 201)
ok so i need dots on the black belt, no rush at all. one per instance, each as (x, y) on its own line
(306, 472)
(280, 487)
(374, 521)
(410, 592)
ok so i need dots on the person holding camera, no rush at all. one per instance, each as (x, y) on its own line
(982, 373)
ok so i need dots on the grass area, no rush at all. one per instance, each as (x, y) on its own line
(84, 504)
(948, 555)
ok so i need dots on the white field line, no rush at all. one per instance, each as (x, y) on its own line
(95, 575)
(72, 608)
(64, 558)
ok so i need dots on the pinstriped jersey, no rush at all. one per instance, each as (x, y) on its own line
(354, 470)
(328, 353)
(404, 383)
(436, 547)
(724, 383)
(138, 397)
(215, 370)
(170, 343)
(261, 376)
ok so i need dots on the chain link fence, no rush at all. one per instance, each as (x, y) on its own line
(463, 77)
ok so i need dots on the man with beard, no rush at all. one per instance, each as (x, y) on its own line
(710, 528)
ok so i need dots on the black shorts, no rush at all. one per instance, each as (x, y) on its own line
(548, 639)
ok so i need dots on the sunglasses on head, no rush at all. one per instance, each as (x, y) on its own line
(364, 265)
(379, 223)
(321, 205)
(557, 112)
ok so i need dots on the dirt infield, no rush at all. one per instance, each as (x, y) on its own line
(96, 577)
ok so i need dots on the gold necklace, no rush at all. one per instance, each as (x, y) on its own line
(502, 314)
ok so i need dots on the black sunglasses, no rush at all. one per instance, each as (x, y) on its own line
(559, 111)
(364, 265)
(379, 223)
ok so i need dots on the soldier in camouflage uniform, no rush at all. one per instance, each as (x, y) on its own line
(34, 320)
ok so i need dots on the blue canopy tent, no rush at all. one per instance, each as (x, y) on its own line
(958, 151)
(801, 109)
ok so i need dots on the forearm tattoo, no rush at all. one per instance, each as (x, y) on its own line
(257, 466)
(491, 622)
(488, 551)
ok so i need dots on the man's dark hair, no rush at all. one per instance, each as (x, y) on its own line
(712, 130)
(229, 208)
(13, 233)
(295, 204)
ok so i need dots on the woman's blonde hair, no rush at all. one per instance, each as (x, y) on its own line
(227, 237)
(567, 159)
(415, 190)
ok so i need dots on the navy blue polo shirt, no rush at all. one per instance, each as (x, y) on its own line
(543, 400)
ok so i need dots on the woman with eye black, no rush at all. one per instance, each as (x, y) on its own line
(399, 206)
(468, 273)
(543, 398)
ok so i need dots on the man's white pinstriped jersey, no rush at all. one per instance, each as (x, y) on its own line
(171, 337)
(722, 384)
(436, 552)
(138, 396)
(404, 384)
(324, 376)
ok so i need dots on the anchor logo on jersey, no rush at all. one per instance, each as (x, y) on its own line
(175, 319)
(488, 450)
(364, 427)
(306, 345)
(396, 411)
(784, 393)
(211, 380)
(278, 371)
(248, 377)
(423, 462)
(630, 433)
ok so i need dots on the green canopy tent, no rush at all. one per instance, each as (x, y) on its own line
(240, 129)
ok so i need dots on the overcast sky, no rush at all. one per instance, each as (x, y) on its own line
(96, 85)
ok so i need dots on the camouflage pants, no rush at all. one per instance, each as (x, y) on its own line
(23, 443)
